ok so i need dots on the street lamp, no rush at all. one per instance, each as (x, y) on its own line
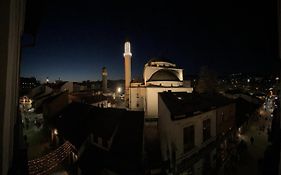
(119, 89)
(54, 136)
(55, 131)
(277, 79)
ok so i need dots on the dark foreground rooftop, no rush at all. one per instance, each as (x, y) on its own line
(78, 121)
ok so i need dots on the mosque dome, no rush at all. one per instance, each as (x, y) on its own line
(160, 62)
(164, 75)
(162, 72)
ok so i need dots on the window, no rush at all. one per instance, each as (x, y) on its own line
(206, 129)
(188, 138)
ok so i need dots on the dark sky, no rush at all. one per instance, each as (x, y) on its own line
(75, 39)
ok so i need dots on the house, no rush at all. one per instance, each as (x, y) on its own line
(188, 127)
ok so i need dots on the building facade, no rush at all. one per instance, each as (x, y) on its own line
(189, 125)
(159, 75)
(182, 136)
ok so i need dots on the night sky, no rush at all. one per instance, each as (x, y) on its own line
(75, 39)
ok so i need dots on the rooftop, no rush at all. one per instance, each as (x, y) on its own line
(57, 85)
(77, 121)
(159, 60)
(159, 63)
(185, 104)
(94, 99)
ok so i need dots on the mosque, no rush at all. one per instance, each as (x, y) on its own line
(159, 75)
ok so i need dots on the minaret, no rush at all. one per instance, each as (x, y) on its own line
(104, 80)
(127, 57)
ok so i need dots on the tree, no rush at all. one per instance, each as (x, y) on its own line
(207, 82)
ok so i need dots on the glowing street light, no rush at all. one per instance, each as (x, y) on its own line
(55, 131)
(119, 89)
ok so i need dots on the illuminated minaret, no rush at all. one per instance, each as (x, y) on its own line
(127, 57)
(104, 80)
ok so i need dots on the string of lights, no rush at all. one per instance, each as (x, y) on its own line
(47, 163)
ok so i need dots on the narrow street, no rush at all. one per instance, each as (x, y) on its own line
(38, 143)
(250, 160)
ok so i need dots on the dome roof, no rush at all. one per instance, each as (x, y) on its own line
(159, 60)
(164, 75)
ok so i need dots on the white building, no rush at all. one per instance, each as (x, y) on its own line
(187, 128)
(159, 75)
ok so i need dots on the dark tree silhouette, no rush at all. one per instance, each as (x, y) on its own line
(207, 82)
